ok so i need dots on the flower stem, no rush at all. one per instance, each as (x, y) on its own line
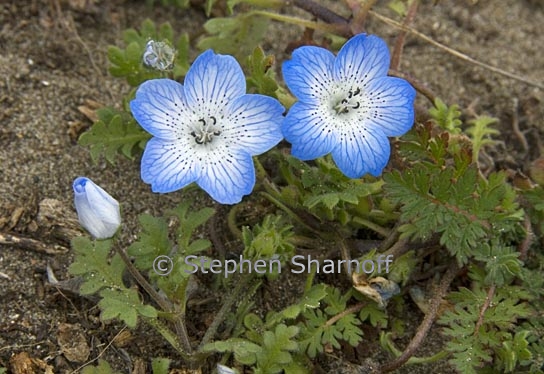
(289, 212)
(339, 29)
(372, 226)
(163, 303)
(231, 222)
(227, 304)
(425, 326)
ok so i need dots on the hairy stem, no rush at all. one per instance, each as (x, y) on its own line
(335, 28)
(372, 226)
(425, 326)
(163, 303)
(225, 308)
(487, 302)
(352, 309)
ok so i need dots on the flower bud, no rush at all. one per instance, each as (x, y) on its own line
(97, 211)
(159, 55)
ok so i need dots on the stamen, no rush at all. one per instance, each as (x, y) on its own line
(348, 103)
(205, 132)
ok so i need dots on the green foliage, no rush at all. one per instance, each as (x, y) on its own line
(93, 263)
(115, 132)
(160, 365)
(272, 345)
(104, 275)
(261, 78)
(154, 242)
(103, 367)
(447, 117)
(534, 204)
(480, 133)
(477, 339)
(269, 240)
(183, 4)
(501, 263)
(324, 191)
(237, 35)
(453, 201)
(127, 63)
(324, 326)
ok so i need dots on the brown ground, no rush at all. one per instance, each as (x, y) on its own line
(53, 61)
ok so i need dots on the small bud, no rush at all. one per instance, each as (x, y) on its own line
(97, 211)
(159, 55)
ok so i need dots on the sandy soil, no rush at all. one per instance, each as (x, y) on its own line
(53, 61)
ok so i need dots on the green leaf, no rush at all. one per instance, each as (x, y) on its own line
(152, 242)
(237, 36)
(446, 117)
(124, 305)
(103, 367)
(374, 314)
(244, 351)
(92, 262)
(114, 133)
(480, 134)
(261, 78)
(160, 365)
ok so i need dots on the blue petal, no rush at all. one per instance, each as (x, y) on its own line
(159, 107)
(212, 81)
(227, 175)
(391, 105)
(168, 166)
(361, 150)
(309, 74)
(309, 130)
(362, 59)
(254, 123)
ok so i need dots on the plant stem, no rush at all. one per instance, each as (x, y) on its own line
(372, 226)
(231, 222)
(385, 340)
(485, 306)
(320, 11)
(227, 304)
(163, 303)
(289, 212)
(352, 309)
(425, 326)
(335, 28)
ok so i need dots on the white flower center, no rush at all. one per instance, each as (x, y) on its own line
(349, 102)
(205, 130)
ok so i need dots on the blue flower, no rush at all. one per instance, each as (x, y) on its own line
(207, 130)
(347, 105)
(97, 211)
